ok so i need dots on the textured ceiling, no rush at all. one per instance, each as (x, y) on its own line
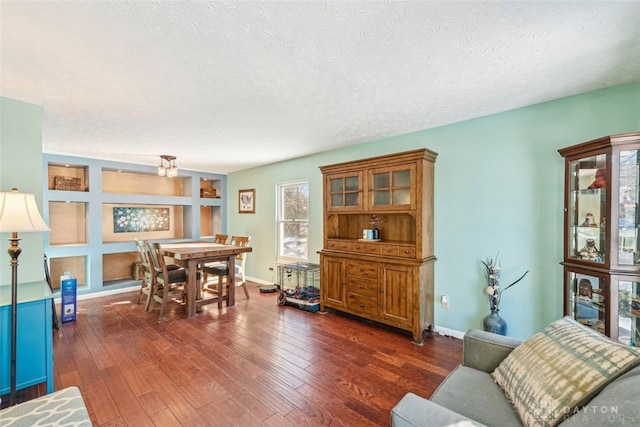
(226, 86)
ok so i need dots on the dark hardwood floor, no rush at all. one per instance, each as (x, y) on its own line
(255, 364)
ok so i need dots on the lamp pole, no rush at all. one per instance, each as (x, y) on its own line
(14, 252)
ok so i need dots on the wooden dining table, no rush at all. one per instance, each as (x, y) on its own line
(193, 255)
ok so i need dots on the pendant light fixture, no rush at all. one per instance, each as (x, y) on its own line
(170, 170)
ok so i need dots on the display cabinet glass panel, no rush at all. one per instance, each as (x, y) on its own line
(629, 312)
(588, 209)
(628, 249)
(587, 300)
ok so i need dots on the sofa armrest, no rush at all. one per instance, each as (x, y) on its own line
(414, 411)
(485, 350)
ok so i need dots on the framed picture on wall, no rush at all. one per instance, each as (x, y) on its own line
(247, 201)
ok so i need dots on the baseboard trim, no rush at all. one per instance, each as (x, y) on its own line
(137, 288)
(441, 330)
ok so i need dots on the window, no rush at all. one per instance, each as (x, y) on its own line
(293, 221)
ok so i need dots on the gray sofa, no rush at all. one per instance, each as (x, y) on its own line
(470, 397)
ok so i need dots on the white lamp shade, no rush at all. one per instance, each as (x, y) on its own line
(19, 213)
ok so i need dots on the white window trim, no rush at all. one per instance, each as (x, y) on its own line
(279, 185)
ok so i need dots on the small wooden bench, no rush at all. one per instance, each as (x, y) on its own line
(60, 408)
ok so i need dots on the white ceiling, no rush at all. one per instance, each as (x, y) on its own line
(226, 86)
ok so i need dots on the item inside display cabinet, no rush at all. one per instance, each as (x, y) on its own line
(590, 252)
(589, 221)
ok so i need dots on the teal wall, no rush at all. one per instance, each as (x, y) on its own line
(21, 167)
(498, 188)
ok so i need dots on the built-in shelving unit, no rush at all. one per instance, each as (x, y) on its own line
(87, 203)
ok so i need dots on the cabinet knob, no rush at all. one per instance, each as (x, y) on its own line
(361, 269)
(406, 251)
(388, 250)
(361, 287)
(361, 305)
(381, 291)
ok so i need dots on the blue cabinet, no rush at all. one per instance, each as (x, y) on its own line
(34, 352)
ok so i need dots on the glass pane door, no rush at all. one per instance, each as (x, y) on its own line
(344, 191)
(588, 192)
(629, 312)
(628, 245)
(587, 299)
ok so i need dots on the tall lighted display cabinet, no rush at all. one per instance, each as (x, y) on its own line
(601, 241)
(388, 279)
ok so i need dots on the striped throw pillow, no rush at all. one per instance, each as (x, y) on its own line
(560, 368)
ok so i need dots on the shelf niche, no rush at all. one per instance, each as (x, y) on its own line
(210, 220)
(210, 188)
(118, 267)
(76, 265)
(68, 223)
(67, 177)
(118, 182)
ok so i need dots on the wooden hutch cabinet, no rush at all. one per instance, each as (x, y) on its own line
(601, 241)
(387, 279)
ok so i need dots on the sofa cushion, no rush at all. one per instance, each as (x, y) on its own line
(475, 395)
(616, 405)
(560, 368)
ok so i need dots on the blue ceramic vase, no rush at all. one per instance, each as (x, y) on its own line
(494, 323)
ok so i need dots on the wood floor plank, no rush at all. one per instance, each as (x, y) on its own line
(254, 364)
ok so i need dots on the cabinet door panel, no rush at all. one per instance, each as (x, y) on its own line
(395, 303)
(344, 192)
(334, 282)
(392, 188)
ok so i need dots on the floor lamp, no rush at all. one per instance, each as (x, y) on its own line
(18, 214)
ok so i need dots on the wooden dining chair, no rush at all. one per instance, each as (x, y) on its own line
(148, 275)
(221, 238)
(168, 284)
(218, 238)
(222, 272)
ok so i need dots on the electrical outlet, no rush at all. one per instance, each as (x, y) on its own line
(444, 301)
